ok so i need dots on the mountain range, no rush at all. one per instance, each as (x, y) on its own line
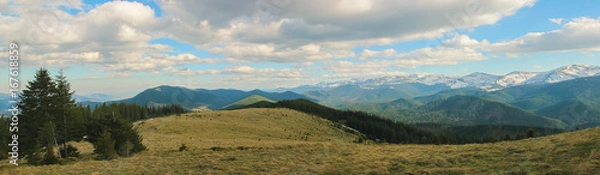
(480, 80)
(575, 103)
(203, 98)
(561, 98)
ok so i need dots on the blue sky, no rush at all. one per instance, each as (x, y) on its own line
(124, 47)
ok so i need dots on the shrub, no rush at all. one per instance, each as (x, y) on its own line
(183, 147)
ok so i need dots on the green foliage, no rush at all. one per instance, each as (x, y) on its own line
(70, 151)
(5, 137)
(105, 146)
(46, 138)
(126, 140)
(36, 103)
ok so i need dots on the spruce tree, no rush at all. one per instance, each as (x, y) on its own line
(47, 140)
(68, 126)
(105, 146)
(36, 104)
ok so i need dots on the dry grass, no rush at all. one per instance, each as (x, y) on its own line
(281, 141)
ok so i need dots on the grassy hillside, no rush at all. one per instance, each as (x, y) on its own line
(269, 141)
(247, 101)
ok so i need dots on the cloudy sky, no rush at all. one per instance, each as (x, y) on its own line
(124, 47)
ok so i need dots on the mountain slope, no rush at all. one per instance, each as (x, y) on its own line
(201, 98)
(534, 97)
(373, 127)
(254, 98)
(471, 110)
(575, 112)
(358, 94)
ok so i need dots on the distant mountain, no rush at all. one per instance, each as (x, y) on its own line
(348, 94)
(480, 80)
(254, 98)
(575, 112)
(97, 97)
(575, 102)
(202, 98)
(5, 98)
(383, 109)
(535, 97)
(471, 110)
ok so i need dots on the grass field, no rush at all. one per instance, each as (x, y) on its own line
(282, 141)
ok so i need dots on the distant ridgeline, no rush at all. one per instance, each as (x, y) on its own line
(568, 105)
(381, 129)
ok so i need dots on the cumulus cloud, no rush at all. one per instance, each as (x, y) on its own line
(282, 30)
(579, 35)
(114, 36)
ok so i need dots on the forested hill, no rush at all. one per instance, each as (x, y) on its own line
(374, 127)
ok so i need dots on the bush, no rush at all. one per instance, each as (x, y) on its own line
(183, 147)
(71, 151)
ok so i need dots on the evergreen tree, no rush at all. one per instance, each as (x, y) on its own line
(105, 146)
(5, 137)
(47, 139)
(68, 126)
(36, 104)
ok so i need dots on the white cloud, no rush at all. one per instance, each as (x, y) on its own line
(277, 31)
(578, 35)
(556, 20)
(113, 37)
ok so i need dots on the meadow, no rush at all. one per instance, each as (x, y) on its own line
(283, 141)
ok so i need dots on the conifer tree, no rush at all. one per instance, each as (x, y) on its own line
(36, 104)
(68, 126)
(105, 146)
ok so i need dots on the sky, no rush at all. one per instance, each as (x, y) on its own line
(124, 47)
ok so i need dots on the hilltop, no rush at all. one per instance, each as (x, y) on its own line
(279, 141)
(254, 98)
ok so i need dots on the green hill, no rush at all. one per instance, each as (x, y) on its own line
(247, 101)
(471, 110)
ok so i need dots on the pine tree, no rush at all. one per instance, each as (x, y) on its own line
(36, 104)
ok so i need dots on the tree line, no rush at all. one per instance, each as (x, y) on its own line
(49, 119)
(386, 130)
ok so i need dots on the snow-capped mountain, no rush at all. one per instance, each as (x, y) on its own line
(485, 81)
(565, 73)
(476, 79)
